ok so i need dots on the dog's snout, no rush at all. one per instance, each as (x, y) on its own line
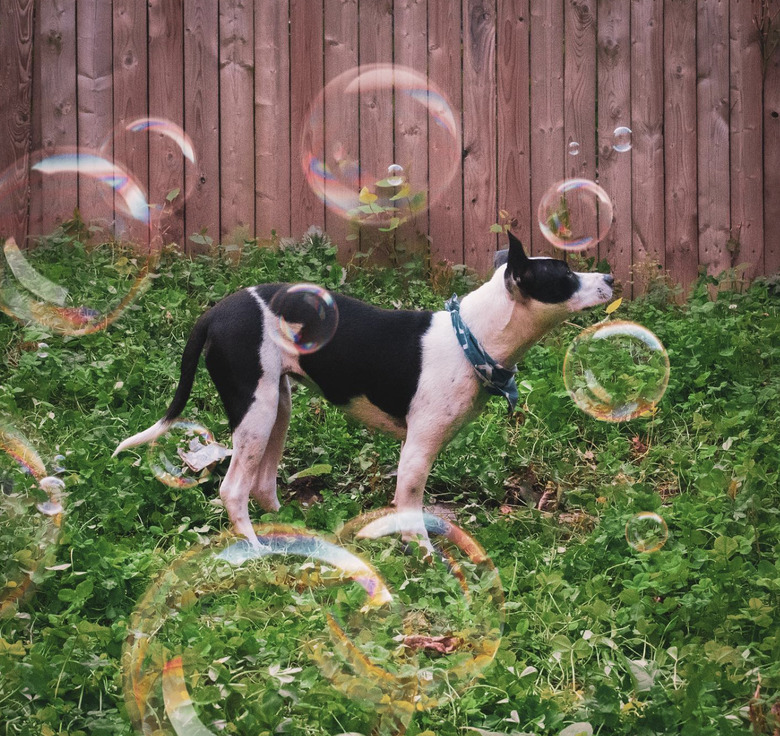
(609, 279)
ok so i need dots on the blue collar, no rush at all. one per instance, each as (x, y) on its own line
(495, 379)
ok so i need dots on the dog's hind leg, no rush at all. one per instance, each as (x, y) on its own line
(250, 441)
(264, 492)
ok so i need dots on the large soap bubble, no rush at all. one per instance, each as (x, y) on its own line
(616, 371)
(62, 213)
(380, 144)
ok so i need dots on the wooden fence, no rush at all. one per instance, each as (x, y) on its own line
(697, 81)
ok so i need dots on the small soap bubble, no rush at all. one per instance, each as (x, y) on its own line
(646, 532)
(575, 214)
(621, 139)
(53, 486)
(308, 317)
(50, 508)
(170, 457)
(574, 148)
(616, 371)
(366, 118)
(395, 175)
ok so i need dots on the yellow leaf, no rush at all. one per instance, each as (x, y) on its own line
(365, 197)
(614, 306)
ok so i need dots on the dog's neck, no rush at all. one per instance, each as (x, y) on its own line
(505, 326)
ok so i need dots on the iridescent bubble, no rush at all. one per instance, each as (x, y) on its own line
(30, 518)
(575, 214)
(168, 152)
(308, 317)
(85, 247)
(621, 139)
(395, 175)
(445, 624)
(184, 455)
(574, 148)
(237, 619)
(367, 125)
(616, 371)
(646, 532)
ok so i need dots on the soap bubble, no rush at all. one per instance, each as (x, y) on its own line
(81, 211)
(621, 139)
(646, 532)
(575, 214)
(221, 637)
(616, 371)
(574, 148)
(446, 621)
(367, 126)
(184, 455)
(308, 317)
(169, 152)
(30, 518)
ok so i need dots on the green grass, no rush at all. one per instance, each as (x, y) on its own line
(671, 642)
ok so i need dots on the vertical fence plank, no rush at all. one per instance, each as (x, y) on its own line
(747, 224)
(547, 144)
(771, 123)
(342, 127)
(236, 115)
(16, 76)
(479, 138)
(95, 96)
(131, 87)
(272, 119)
(580, 89)
(647, 125)
(444, 63)
(680, 211)
(166, 100)
(614, 103)
(306, 80)
(712, 97)
(411, 119)
(201, 118)
(514, 134)
(54, 199)
(377, 125)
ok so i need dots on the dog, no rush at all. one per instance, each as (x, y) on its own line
(403, 372)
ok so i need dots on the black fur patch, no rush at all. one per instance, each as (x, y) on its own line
(546, 280)
(376, 353)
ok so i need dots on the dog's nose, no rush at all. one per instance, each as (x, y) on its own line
(609, 278)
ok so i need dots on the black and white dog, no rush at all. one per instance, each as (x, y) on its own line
(403, 372)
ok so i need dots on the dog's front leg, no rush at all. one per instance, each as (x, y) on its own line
(417, 455)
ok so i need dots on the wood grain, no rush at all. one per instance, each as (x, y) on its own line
(306, 82)
(747, 216)
(273, 155)
(547, 141)
(712, 101)
(772, 159)
(647, 125)
(479, 140)
(95, 81)
(444, 64)
(341, 122)
(166, 101)
(16, 109)
(681, 203)
(614, 104)
(236, 114)
(514, 133)
(201, 119)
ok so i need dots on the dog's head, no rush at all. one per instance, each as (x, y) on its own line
(550, 281)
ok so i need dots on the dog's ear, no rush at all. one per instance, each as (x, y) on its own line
(517, 259)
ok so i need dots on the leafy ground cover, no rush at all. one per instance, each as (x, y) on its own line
(684, 640)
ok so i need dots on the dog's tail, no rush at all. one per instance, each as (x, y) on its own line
(189, 365)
